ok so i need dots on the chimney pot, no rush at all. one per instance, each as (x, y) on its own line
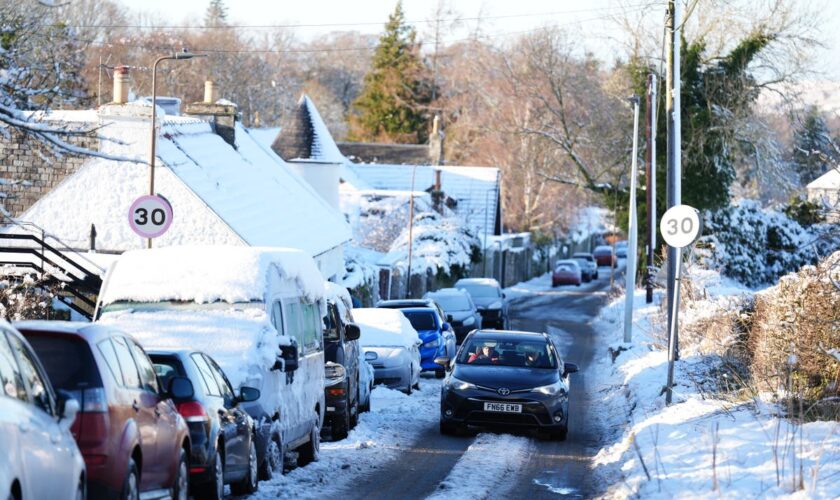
(210, 92)
(121, 84)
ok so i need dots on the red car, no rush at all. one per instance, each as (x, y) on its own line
(604, 255)
(566, 272)
(130, 434)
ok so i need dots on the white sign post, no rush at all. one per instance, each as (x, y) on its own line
(150, 216)
(679, 226)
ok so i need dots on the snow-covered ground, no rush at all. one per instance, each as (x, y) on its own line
(395, 421)
(704, 444)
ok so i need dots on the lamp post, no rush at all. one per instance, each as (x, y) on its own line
(176, 56)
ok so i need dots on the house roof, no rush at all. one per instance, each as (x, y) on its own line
(476, 189)
(306, 137)
(828, 180)
(219, 194)
(396, 154)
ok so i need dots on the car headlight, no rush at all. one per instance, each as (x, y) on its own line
(432, 343)
(469, 321)
(459, 384)
(551, 390)
(495, 305)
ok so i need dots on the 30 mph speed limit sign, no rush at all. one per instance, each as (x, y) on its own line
(680, 226)
(150, 216)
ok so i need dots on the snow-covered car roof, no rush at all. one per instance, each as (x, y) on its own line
(447, 291)
(385, 328)
(477, 281)
(207, 274)
(572, 263)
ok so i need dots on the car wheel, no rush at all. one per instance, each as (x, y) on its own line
(559, 435)
(131, 486)
(80, 490)
(448, 428)
(249, 483)
(273, 461)
(215, 488)
(354, 415)
(311, 451)
(182, 480)
(440, 373)
(410, 378)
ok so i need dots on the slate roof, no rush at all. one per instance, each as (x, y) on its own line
(305, 136)
(476, 189)
(394, 154)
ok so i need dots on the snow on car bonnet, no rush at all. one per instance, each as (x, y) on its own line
(385, 328)
(205, 274)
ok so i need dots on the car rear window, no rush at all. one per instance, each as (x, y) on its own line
(421, 320)
(481, 291)
(67, 359)
(453, 302)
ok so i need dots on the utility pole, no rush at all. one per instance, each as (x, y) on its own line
(632, 229)
(650, 183)
(673, 199)
(410, 230)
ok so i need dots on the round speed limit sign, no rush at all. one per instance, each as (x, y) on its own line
(680, 226)
(150, 216)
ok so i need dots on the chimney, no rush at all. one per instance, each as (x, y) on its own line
(211, 94)
(220, 114)
(436, 143)
(437, 193)
(121, 84)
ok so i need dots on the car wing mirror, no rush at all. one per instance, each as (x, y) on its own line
(247, 394)
(446, 326)
(569, 368)
(449, 318)
(443, 361)
(180, 388)
(352, 331)
(287, 361)
(370, 356)
(68, 408)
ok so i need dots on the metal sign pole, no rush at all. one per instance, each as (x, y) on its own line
(632, 229)
(674, 309)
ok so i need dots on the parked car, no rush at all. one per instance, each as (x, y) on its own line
(224, 449)
(461, 312)
(403, 303)
(391, 346)
(437, 338)
(341, 353)
(566, 272)
(40, 458)
(490, 300)
(621, 249)
(256, 311)
(506, 379)
(588, 265)
(604, 255)
(130, 433)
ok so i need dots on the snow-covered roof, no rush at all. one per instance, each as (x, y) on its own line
(306, 136)
(476, 189)
(206, 274)
(385, 328)
(220, 194)
(829, 180)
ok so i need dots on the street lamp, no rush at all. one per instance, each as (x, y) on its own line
(177, 56)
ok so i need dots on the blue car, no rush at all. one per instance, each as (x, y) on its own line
(438, 339)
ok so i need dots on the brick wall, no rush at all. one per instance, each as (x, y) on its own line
(29, 168)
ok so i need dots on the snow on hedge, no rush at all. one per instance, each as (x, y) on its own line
(206, 274)
(385, 328)
(757, 246)
(440, 245)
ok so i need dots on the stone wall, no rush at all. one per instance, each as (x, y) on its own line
(30, 168)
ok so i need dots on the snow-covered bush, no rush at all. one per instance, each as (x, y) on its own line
(28, 296)
(795, 328)
(442, 246)
(757, 246)
(360, 278)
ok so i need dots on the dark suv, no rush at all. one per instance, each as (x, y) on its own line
(341, 382)
(224, 449)
(131, 435)
(490, 300)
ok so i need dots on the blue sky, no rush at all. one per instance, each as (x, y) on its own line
(587, 17)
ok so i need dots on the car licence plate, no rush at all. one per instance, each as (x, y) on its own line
(503, 407)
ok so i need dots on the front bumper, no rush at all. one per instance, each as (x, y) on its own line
(461, 330)
(491, 318)
(394, 377)
(428, 355)
(538, 411)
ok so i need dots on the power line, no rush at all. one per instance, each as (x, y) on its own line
(336, 25)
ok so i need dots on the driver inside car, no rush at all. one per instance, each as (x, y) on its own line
(485, 354)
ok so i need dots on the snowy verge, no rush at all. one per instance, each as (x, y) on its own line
(394, 422)
(485, 468)
(705, 443)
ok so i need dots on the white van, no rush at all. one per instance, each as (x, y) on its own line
(256, 311)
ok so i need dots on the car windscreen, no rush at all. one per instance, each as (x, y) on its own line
(453, 302)
(481, 291)
(583, 256)
(421, 320)
(582, 262)
(68, 361)
(528, 353)
(177, 305)
(564, 267)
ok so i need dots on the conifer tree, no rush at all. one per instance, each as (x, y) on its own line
(813, 151)
(392, 104)
(216, 14)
